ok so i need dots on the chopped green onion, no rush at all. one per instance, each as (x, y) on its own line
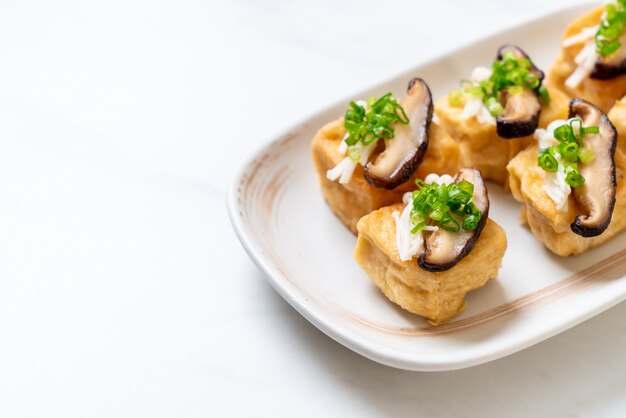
(457, 98)
(439, 212)
(508, 57)
(511, 71)
(372, 122)
(471, 209)
(570, 150)
(532, 81)
(586, 155)
(488, 87)
(547, 161)
(459, 196)
(544, 95)
(606, 48)
(591, 130)
(494, 107)
(354, 153)
(473, 90)
(466, 186)
(471, 222)
(564, 133)
(417, 226)
(447, 206)
(611, 28)
(574, 179)
(577, 129)
(448, 223)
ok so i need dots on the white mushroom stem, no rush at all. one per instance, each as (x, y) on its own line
(475, 107)
(581, 37)
(343, 146)
(585, 61)
(344, 170)
(554, 184)
(435, 178)
(471, 108)
(407, 243)
(481, 73)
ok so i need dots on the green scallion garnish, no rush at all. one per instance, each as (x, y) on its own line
(369, 123)
(511, 71)
(544, 94)
(494, 106)
(354, 153)
(570, 150)
(573, 177)
(611, 28)
(585, 155)
(449, 207)
(547, 161)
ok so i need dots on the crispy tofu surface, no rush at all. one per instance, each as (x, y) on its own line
(437, 296)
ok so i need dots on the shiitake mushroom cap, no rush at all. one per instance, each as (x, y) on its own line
(444, 249)
(596, 197)
(405, 151)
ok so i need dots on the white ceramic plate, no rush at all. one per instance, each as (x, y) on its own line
(282, 221)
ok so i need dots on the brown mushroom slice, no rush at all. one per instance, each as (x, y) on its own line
(612, 66)
(596, 197)
(521, 111)
(521, 114)
(521, 54)
(405, 151)
(444, 248)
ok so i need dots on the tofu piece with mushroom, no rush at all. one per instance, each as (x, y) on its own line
(417, 149)
(355, 199)
(606, 81)
(594, 212)
(434, 277)
(479, 143)
(489, 143)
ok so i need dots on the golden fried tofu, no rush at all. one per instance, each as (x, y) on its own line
(617, 115)
(357, 198)
(602, 93)
(479, 143)
(437, 296)
(540, 213)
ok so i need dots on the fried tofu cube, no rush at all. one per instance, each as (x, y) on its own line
(602, 93)
(437, 296)
(357, 198)
(550, 225)
(480, 145)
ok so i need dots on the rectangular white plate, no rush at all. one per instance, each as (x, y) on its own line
(282, 221)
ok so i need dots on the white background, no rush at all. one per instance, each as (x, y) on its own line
(123, 290)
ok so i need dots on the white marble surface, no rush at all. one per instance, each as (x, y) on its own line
(123, 290)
